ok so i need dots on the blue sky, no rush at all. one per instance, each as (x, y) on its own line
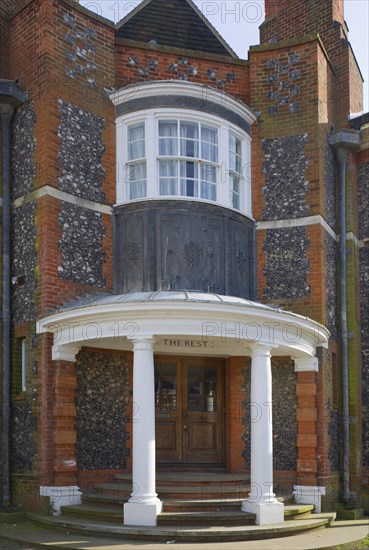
(238, 22)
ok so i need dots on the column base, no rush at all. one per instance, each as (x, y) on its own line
(305, 494)
(136, 513)
(266, 512)
(61, 496)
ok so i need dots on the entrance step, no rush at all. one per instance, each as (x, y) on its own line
(215, 517)
(196, 507)
(184, 533)
(193, 486)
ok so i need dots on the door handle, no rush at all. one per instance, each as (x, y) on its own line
(185, 426)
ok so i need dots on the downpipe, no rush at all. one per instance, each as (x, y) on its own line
(342, 154)
(342, 141)
(11, 96)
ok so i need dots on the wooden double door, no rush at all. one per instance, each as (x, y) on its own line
(189, 410)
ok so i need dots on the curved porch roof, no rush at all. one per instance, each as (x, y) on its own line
(185, 322)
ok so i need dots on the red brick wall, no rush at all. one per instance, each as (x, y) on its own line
(234, 396)
(127, 74)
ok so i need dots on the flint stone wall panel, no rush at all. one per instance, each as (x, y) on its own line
(81, 245)
(287, 266)
(23, 148)
(23, 263)
(285, 184)
(23, 424)
(81, 152)
(102, 399)
(330, 187)
(331, 284)
(334, 430)
(284, 415)
(363, 202)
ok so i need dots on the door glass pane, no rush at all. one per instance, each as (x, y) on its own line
(202, 388)
(165, 387)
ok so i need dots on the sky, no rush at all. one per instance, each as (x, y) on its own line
(238, 22)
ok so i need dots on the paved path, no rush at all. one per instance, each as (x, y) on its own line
(339, 535)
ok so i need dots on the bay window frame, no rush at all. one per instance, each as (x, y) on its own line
(151, 119)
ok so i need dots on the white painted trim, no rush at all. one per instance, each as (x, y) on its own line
(306, 221)
(351, 237)
(223, 323)
(297, 222)
(184, 89)
(24, 364)
(306, 364)
(48, 191)
(305, 494)
(61, 496)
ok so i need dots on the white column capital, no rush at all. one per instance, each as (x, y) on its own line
(64, 353)
(306, 364)
(143, 344)
(260, 350)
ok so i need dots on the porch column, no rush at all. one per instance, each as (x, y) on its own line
(261, 500)
(144, 505)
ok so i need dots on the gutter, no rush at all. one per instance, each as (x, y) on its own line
(342, 142)
(11, 95)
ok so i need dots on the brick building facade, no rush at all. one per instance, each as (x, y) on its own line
(154, 175)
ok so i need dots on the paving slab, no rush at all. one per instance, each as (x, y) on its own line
(342, 535)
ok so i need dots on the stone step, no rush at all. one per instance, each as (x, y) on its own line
(191, 479)
(193, 505)
(122, 490)
(215, 518)
(95, 512)
(186, 533)
(183, 512)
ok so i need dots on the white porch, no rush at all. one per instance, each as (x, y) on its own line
(190, 323)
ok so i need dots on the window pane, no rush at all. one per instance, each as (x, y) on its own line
(189, 188)
(208, 173)
(137, 190)
(189, 178)
(168, 143)
(189, 130)
(136, 141)
(168, 168)
(209, 152)
(136, 150)
(235, 188)
(235, 156)
(209, 134)
(136, 132)
(168, 186)
(137, 171)
(137, 180)
(208, 191)
(168, 128)
(189, 139)
(235, 183)
(165, 387)
(168, 147)
(235, 201)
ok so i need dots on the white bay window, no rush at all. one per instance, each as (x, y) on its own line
(194, 156)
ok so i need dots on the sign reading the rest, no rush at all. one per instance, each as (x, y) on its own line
(175, 343)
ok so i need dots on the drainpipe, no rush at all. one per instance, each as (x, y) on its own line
(342, 141)
(11, 95)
